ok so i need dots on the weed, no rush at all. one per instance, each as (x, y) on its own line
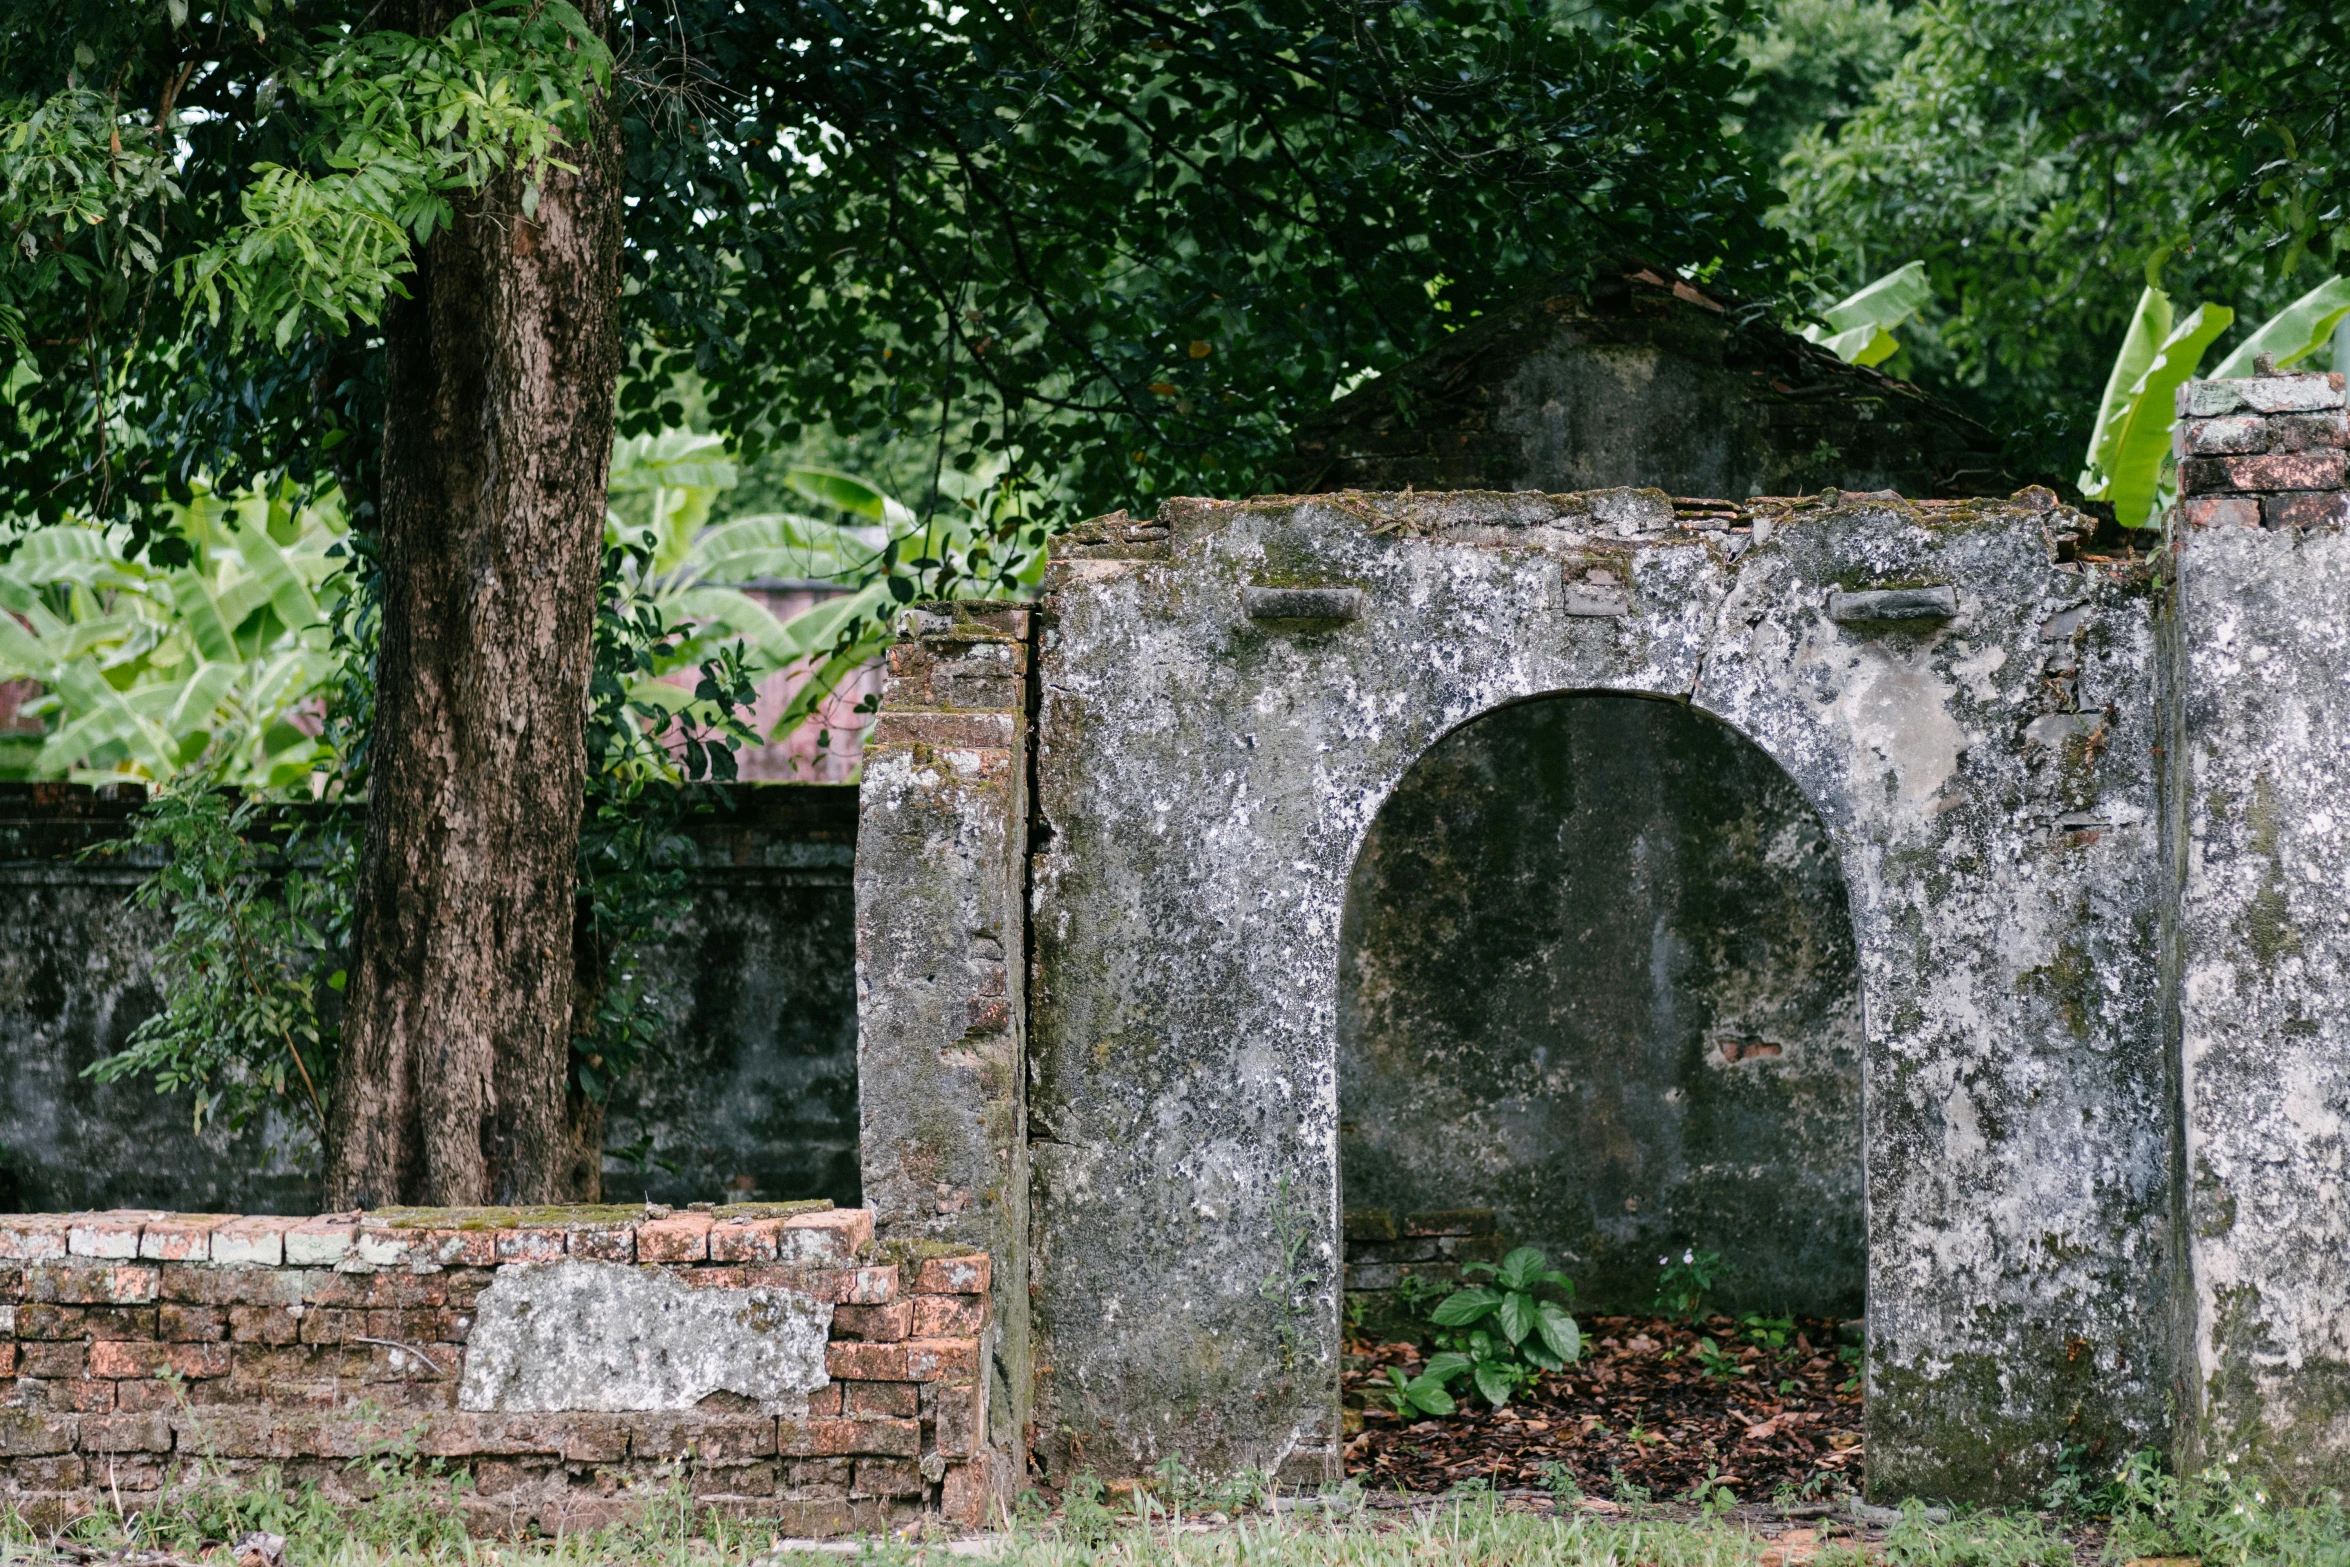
(1083, 1517)
(1980, 1540)
(1683, 1288)
(1287, 1288)
(1503, 1334)
(1559, 1481)
(1717, 1362)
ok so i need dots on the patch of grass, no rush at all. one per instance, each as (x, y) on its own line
(413, 1519)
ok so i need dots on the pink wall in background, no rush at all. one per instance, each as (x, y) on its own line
(799, 759)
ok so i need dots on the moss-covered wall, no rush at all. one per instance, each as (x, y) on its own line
(1596, 974)
(752, 1095)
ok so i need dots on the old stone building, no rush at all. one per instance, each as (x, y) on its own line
(1216, 886)
(1641, 381)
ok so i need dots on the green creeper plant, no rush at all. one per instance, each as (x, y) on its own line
(260, 908)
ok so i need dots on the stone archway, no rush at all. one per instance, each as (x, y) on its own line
(1596, 975)
(1103, 868)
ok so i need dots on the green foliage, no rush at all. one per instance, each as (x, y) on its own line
(255, 927)
(874, 548)
(398, 125)
(1813, 64)
(1859, 328)
(261, 900)
(1289, 1286)
(211, 667)
(650, 755)
(1427, 1393)
(1121, 250)
(1504, 1334)
(1683, 1288)
(2131, 436)
(2130, 443)
(2221, 1517)
(2036, 157)
(1716, 1362)
(2294, 333)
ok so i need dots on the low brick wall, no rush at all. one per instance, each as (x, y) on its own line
(134, 1345)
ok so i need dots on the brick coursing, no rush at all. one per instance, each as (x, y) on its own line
(2262, 452)
(136, 1344)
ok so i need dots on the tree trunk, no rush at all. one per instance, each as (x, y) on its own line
(497, 440)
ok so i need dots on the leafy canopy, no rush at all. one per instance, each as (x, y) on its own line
(1109, 249)
(2039, 157)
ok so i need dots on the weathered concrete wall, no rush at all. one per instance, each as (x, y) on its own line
(752, 1096)
(2259, 771)
(1596, 975)
(1640, 381)
(1205, 781)
(942, 1057)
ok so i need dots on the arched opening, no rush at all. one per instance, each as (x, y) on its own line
(1598, 978)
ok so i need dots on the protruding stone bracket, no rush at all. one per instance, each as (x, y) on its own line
(1307, 606)
(1893, 604)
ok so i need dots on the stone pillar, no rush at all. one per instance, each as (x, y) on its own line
(2256, 768)
(942, 842)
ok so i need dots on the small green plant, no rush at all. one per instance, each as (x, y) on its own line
(1506, 1333)
(1771, 1335)
(1083, 1516)
(1717, 1362)
(1559, 1480)
(1424, 1394)
(1712, 1499)
(1684, 1288)
(1289, 1288)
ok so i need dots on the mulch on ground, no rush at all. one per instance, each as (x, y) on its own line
(1638, 1410)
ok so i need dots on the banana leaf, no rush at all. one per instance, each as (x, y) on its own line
(1858, 327)
(2293, 333)
(2132, 434)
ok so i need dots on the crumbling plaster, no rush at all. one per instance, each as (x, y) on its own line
(1204, 781)
(2260, 751)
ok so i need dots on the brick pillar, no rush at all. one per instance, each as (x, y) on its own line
(2256, 812)
(942, 837)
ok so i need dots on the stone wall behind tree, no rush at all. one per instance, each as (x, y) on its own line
(752, 1095)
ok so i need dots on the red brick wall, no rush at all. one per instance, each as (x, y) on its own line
(135, 1345)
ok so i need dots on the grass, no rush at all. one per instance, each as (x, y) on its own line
(415, 1520)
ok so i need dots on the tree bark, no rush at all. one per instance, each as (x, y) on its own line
(497, 441)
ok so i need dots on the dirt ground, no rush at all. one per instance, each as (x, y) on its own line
(1644, 1415)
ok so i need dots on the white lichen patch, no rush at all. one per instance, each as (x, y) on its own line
(605, 1337)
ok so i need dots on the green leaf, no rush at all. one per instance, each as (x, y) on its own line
(2293, 333)
(2149, 325)
(2134, 423)
(1858, 329)
(1558, 1331)
(1463, 1307)
(1497, 1382)
(1516, 1315)
(1444, 1366)
(1521, 1268)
